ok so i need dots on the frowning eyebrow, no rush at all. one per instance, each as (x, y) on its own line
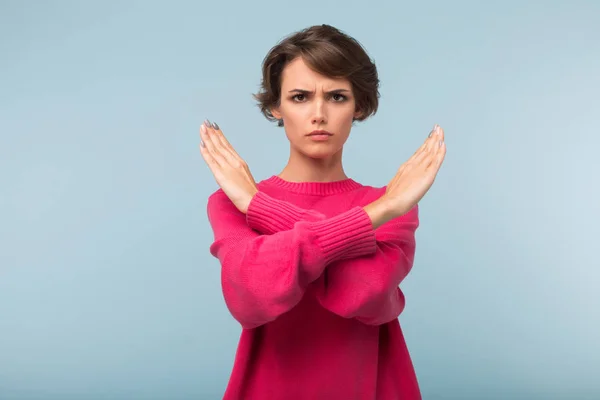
(334, 91)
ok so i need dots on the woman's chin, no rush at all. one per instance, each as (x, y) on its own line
(320, 153)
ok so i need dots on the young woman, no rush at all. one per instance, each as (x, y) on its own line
(311, 259)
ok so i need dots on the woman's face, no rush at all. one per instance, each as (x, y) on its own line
(312, 102)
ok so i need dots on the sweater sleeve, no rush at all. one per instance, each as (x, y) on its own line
(269, 215)
(264, 276)
(364, 287)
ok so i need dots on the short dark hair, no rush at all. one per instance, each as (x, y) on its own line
(329, 52)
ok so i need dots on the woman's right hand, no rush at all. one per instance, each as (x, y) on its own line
(412, 181)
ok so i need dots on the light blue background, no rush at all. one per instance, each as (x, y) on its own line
(107, 288)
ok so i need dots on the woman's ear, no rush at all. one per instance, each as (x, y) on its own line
(275, 112)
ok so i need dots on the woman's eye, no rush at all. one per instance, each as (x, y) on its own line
(338, 98)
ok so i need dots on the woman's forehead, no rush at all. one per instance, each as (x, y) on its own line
(298, 75)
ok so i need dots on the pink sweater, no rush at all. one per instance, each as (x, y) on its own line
(315, 289)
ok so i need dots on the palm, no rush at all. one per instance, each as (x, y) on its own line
(416, 176)
(230, 171)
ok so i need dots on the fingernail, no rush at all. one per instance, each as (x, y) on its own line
(207, 123)
(214, 124)
(202, 143)
(430, 133)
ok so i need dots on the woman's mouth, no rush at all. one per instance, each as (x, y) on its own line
(320, 135)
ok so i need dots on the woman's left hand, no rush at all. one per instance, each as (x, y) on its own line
(230, 171)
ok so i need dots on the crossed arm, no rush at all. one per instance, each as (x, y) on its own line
(270, 255)
(270, 250)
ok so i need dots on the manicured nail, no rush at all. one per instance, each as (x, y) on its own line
(214, 124)
(207, 123)
(430, 133)
(202, 143)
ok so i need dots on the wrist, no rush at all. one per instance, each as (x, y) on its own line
(380, 212)
(247, 201)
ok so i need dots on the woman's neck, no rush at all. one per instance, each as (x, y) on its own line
(301, 168)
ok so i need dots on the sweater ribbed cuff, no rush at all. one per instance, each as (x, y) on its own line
(347, 235)
(268, 215)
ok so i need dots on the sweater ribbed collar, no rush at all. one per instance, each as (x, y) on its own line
(314, 188)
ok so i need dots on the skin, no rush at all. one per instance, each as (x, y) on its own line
(321, 161)
(323, 103)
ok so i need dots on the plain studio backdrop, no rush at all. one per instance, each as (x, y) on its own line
(107, 287)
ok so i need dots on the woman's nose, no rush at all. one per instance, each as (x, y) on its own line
(319, 113)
